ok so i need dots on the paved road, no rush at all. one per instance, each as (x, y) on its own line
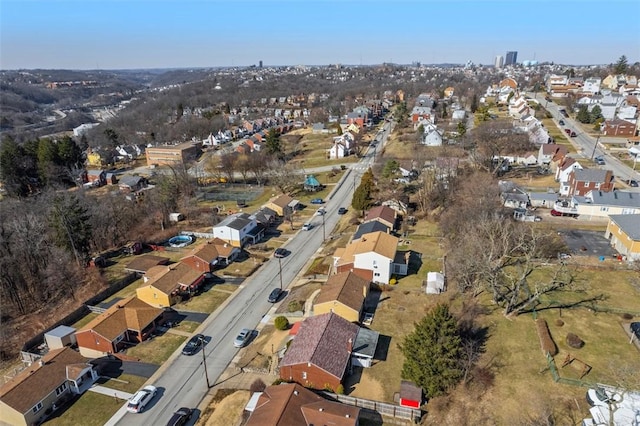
(586, 143)
(181, 382)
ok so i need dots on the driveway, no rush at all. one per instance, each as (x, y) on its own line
(586, 243)
(110, 366)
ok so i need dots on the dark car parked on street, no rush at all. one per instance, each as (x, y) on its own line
(342, 210)
(180, 417)
(275, 295)
(193, 345)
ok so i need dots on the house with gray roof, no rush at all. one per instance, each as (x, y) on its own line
(624, 233)
(600, 205)
(582, 181)
(239, 229)
(368, 227)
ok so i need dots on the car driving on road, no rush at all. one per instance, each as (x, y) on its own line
(274, 295)
(342, 210)
(280, 252)
(180, 417)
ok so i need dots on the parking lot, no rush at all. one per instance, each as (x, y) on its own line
(586, 243)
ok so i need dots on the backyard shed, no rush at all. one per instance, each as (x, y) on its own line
(410, 394)
(435, 283)
(60, 337)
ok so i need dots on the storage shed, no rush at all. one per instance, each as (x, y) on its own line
(435, 283)
(60, 337)
(410, 394)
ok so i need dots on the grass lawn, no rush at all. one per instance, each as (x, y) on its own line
(188, 326)
(124, 382)
(89, 410)
(84, 321)
(128, 291)
(158, 349)
(206, 302)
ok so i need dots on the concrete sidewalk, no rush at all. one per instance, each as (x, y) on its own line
(110, 392)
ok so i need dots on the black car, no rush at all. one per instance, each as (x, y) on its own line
(193, 345)
(280, 252)
(180, 417)
(275, 295)
(635, 329)
(342, 210)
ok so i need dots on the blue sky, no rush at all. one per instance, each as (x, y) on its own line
(120, 34)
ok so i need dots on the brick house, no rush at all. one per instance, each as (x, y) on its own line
(618, 127)
(319, 355)
(210, 255)
(581, 181)
(127, 322)
(165, 285)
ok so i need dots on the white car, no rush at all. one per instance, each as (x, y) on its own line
(307, 227)
(140, 399)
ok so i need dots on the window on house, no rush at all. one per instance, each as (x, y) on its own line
(377, 274)
(37, 407)
(60, 389)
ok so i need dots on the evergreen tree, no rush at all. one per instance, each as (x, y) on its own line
(474, 103)
(596, 114)
(622, 66)
(432, 352)
(583, 115)
(361, 200)
(390, 168)
(70, 224)
(367, 181)
(69, 154)
(272, 143)
(462, 129)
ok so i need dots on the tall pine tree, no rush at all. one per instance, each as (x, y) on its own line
(432, 352)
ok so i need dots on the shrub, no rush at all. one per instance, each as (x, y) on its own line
(281, 323)
(546, 342)
(340, 389)
(393, 281)
(574, 341)
(257, 386)
(278, 381)
(294, 306)
(559, 322)
(627, 316)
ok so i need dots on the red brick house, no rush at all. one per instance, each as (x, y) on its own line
(207, 257)
(127, 322)
(581, 181)
(319, 356)
(291, 404)
(618, 127)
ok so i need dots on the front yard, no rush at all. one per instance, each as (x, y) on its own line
(91, 409)
(156, 350)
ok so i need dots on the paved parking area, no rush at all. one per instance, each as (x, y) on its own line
(586, 243)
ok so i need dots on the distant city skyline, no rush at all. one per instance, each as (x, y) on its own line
(119, 34)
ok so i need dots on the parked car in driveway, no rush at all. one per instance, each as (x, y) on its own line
(140, 399)
(193, 345)
(180, 417)
(242, 338)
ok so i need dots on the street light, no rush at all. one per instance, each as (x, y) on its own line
(595, 146)
(204, 361)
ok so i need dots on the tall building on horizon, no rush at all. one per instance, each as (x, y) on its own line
(499, 61)
(260, 64)
(512, 58)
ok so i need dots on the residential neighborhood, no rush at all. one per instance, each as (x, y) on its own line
(331, 255)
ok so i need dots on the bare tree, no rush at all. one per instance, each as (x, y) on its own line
(228, 165)
(284, 176)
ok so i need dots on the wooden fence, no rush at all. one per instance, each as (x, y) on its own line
(385, 409)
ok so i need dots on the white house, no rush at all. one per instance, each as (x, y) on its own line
(338, 150)
(518, 107)
(373, 256)
(592, 85)
(566, 166)
(431, 135)
(238, 230)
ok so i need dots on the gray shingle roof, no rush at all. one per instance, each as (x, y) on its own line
(366, 228)
(616, 198)
(590, 175)
(629, 223)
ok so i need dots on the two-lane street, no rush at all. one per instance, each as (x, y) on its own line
(181, 381)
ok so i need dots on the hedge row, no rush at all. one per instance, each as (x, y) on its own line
(546, 342)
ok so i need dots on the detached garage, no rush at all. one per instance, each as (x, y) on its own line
(60, 337)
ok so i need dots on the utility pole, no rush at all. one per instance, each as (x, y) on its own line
(204, 361)
(594, 147)
(324, 236)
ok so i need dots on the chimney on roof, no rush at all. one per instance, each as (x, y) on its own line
(347, 415)
(350, 345)
(320, 409)
(364, 291)
(295, 392)
(40, 362)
